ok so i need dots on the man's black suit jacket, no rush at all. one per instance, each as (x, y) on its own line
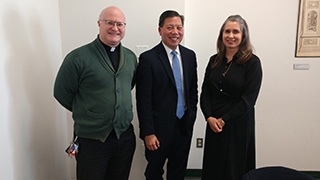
(157, 96)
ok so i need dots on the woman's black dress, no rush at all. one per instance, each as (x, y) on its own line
(230, 154)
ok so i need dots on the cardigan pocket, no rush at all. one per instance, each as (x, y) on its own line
(96, 114)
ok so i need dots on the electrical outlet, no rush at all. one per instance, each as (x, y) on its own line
(199, 142)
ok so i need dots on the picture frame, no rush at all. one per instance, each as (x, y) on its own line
(308, 32)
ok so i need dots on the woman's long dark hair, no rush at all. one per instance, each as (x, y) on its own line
(245, 47)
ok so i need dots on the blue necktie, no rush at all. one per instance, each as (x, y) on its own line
(178, 80)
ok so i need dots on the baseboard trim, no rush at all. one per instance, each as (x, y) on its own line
(197, 173)
(193, 173)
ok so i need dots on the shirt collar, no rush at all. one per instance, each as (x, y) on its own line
(168, 50)
(235, 56)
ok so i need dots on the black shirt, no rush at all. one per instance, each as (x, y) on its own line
(113, 54)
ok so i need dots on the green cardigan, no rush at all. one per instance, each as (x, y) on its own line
(98, 96)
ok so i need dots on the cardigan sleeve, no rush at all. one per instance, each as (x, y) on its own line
(66, 83)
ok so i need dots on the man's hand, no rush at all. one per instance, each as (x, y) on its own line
(151, 142)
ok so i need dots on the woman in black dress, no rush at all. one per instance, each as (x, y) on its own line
(229, 92)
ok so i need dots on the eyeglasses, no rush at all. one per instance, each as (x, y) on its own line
(109, 23)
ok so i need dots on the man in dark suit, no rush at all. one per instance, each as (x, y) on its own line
(167, 97)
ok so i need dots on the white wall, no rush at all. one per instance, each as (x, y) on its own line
(35, 129)
(32, 125)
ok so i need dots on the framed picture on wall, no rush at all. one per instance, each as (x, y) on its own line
(308, 34)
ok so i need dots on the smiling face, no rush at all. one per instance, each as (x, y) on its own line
(232, 35)
(111, 35)
(172, 32)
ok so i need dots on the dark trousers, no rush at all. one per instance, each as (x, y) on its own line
(110, 160)
(176, 150)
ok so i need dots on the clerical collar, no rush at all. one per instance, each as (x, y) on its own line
(110, 49)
